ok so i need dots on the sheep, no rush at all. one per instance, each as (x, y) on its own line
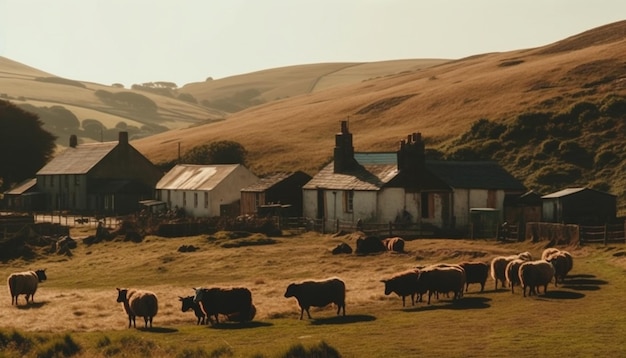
(25, 283)
(342, 248)
(563, 263)
(227, 301)
(189, 304)
(512, 273)
(404, 284)
(318, 294)
(138, 303)
(498, 266)
(443, 279)
(533, 274)
(395, 244)
(475, 272)
(548, 252)
(369, 245)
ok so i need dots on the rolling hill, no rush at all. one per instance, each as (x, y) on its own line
(538, 104)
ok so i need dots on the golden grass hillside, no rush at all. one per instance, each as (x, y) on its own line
(79, 299)
(441, 102)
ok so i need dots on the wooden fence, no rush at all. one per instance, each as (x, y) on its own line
(605, 234)
(570, 234)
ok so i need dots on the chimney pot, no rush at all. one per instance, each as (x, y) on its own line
(73, 141)
(123, 138)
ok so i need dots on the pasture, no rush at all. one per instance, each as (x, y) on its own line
(583, 316)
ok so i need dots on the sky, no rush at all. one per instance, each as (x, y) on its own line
(183, 41)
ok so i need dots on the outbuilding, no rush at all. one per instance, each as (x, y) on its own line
(583, 206)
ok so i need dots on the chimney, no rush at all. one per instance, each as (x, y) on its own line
(411, 156)
(344, 150)
(123, 138)
(73, 141)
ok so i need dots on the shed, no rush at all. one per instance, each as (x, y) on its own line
(282, 190)
(583, 206)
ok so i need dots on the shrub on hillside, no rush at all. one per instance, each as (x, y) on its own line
(584, 111)
(557, 176)
(572, 152)
(60, 81)
(613, 106)
(527, 128)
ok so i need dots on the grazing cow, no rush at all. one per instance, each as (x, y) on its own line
(475, 272)
(442, 279)
(318, 294)
(395, 244)
(189, 304)
(25, 283)
(342, 248)
(369, 245)
(404, 284)
(533, 274)
(227, 301)
(138, 303)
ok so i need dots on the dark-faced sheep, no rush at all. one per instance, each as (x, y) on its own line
(189, 304)
(369, 245)
(439, 279)
(394, 244)
(25, 283)
(499, 263)
(563, 263)
(318, 294)
(475, 272)
(342, 248)
(404, 284)
(533, 274)
(512, 273)
(138, 303)
(226, 301)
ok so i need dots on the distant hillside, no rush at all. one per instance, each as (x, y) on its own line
(443, 102)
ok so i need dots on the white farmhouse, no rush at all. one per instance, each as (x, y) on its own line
(205, 190)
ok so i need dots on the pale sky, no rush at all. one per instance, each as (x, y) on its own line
(183, 41)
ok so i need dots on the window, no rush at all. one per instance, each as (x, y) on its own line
(195, 200)
(206, 200)
(348, 201)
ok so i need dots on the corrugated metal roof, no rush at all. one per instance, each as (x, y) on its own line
(195, 177)
(562, 193)
(267, 182)
(22, 187)
(474, 175)
(78, 160)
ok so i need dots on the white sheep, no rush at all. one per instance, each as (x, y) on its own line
(138, 303)
(25, 283)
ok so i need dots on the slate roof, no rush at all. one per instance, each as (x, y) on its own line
(379, 168)
(78, 160)
(195, 177)
(474, 175)
(375, 170)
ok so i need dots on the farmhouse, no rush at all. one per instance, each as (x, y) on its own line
(205, 190)
(404, 187)
(97, 178)
(581, 206)
(277, 194)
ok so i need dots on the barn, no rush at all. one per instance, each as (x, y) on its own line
(582, 206)
(205, 190)
(279, 191)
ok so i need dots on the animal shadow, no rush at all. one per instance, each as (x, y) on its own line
(237, 325)
(32, 305)
(158, 329)
(583, 282)
(465, 303)
(343, 319)
(562, 295)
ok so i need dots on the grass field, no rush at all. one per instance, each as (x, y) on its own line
(583, 317)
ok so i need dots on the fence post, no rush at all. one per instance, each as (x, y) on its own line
(390, 229)
(336, 225)
(606, 229)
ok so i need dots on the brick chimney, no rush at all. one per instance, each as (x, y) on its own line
(73, 141)
(411, 156)
(344, 150)
(123, 138)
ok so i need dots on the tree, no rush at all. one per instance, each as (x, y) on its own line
(220, 152)
(25, 147)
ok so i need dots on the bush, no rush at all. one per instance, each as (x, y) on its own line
(572, 152)
(321, 350)
(613, 106)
